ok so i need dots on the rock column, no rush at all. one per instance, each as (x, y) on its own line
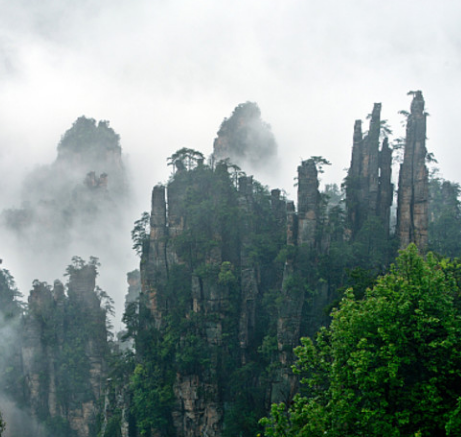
(412, 214)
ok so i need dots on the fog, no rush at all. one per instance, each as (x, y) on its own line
(165, 74)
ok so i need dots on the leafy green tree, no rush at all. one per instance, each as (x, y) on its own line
(186, 159)
(85, 134)
(389, 363)
(140, 233)
(10, 304)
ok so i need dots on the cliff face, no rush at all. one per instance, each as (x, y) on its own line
(63, 353)
(412, 214)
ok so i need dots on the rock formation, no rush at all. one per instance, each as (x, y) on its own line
(412, 213)
(202, 242)
(302, 238)
(63, 353)
(369, 189)
(191, 415)
(308, 203)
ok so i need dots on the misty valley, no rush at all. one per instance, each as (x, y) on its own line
(249, 313)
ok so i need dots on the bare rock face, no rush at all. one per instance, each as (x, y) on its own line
(369, 189)
(413, 200)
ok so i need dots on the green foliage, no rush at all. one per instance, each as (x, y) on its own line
(226, 273)
(11, 310)
(152, 397)
(186, 159)
(74, 339)
(2, 425)
(319, 162)
(87, 136)
(444, 233)
(10, 305)
(59, 427)
(247, 405)
(140, 234)
(372, 247)
(78, 264)
(388, 364)
(113, 427)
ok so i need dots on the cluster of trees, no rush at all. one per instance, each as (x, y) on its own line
(389, 362)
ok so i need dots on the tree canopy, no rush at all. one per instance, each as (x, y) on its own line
(86, 134)
(389, 363)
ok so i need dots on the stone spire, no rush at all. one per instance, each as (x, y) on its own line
(412, 213)
(301, 233)
(308, 202)
(369, 188)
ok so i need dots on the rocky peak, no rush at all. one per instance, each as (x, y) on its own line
(245, 138)
(308, 202)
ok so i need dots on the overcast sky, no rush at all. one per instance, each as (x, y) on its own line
(166, 73)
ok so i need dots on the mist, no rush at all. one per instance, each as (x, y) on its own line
(78, 205)
(166, 75)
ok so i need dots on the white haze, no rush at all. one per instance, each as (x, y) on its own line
(166, 73)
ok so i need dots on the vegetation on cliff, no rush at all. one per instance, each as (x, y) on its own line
(186, 325)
